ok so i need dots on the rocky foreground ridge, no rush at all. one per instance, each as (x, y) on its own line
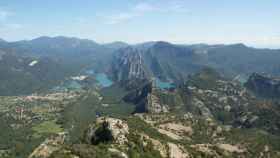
(160, 135)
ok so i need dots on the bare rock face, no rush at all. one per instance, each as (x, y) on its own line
(264, 86)
(128, 65)
(117, 152)
(153, 105)
(138, 96)
(231, 148)
(175, 151)
(205, 112)
(118, 128)
(107, 130)
(146, 100)
(157, 145)
(49, 146)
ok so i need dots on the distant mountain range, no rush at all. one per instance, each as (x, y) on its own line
(175, 62)
(122, 61)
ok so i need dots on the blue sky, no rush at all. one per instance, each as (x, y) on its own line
(253, 22)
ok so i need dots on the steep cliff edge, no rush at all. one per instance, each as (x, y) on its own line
(128, 65)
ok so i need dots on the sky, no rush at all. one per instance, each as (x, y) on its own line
(253, 22)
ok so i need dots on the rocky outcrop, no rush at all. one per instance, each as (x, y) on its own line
(231, 148)
(157, 145)
(264, 86)
(138, 96)
(117, 153)
(175, 151)
(129, 65)
(132, 63)
(153, 104)
(107, 130)
(146, 100)
(208, 95)
(48, 147)
(203, 110)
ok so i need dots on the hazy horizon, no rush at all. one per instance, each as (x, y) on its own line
(177, 21)
(143, 42)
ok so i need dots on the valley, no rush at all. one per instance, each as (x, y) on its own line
(67, 97)
(139, 79)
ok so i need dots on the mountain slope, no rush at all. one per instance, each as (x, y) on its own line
(162, 60)
(170, 62)
(25, 75)
(151, 60)
(264, 86)
(240, 59)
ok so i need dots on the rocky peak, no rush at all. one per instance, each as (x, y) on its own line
(129, 65)
(162, 44)
(146, 99)
(106, 130)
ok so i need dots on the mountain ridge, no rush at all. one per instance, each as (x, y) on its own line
(159, 59)
(136, 44)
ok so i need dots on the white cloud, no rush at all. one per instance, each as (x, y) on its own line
(144, 8)
(162, 7)
(120, 17)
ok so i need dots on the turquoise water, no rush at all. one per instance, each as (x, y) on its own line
(103, 80)
(164, 85)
